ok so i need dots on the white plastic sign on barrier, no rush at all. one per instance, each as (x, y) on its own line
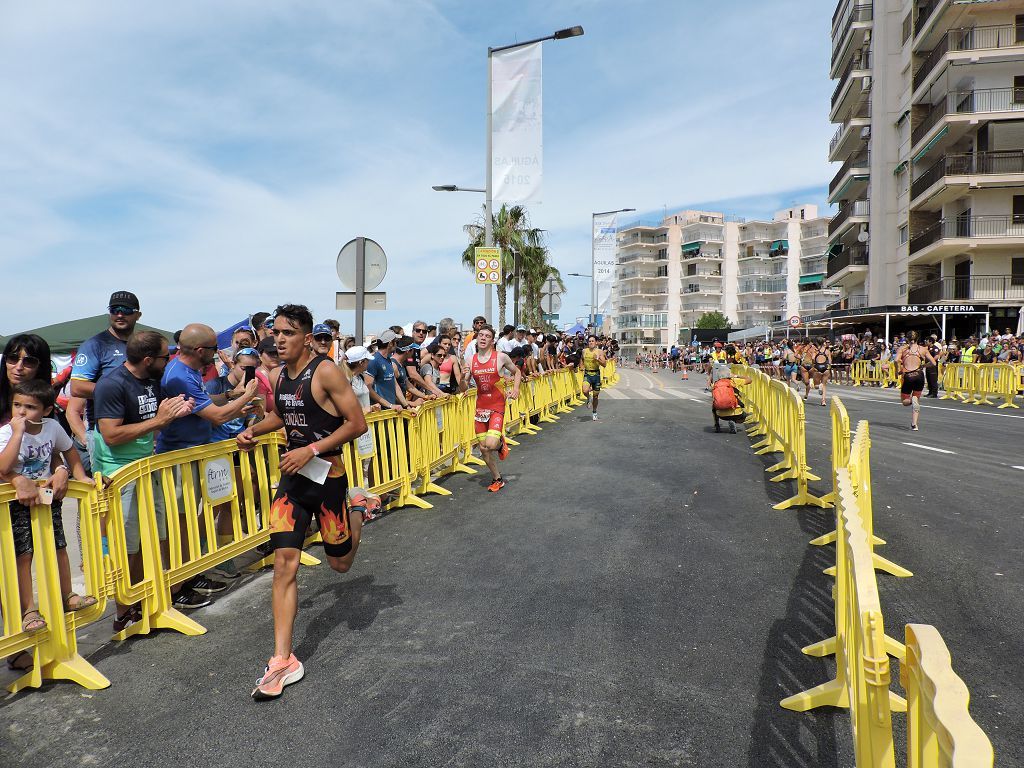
(218, 480)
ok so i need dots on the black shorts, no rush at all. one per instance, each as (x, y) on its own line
(913, 383)
(21, 523)
(298, 499)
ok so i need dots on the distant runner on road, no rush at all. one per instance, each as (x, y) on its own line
(593, 361)
(909, 359)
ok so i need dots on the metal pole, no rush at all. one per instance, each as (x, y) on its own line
(943, 326)
(886, 329)
(515, 288)
(360, 280)
(593, 276)
(488, 188)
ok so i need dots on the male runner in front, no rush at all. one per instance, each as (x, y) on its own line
(315, 404)
(593, 361)
(486, 367)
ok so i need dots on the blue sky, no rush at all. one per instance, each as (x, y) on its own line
(213, 157)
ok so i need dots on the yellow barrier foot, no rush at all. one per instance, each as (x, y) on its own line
(458, 466)
(434, 488)
(802, 499)
(830, 571)
(529, 429)
(830, 694)
(789, 474)
(548, 418)
(76, 669)
(174, 619)
(828, 538)
(510, 441)
(888, 566)
(410, 500)
(307, 559)
(897, 703)
(895, 648)
(475, 461)
(1008, 404)
(826, 647)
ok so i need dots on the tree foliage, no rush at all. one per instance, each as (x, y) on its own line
(714, 320)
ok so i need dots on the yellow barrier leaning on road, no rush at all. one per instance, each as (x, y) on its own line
(778, 414)
(862, 666)
(54, 649)
(940, 731)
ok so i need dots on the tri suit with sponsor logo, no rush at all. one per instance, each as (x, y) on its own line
(490, 399)
(298, 498)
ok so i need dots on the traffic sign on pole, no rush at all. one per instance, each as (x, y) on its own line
(795, 321)
(488, 265)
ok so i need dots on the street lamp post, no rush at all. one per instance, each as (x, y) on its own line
(593, 266)
(593, 308)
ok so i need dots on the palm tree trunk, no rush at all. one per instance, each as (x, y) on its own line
(502, 300)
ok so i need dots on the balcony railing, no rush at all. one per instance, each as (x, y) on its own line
(968, 227)
(862, 110)
(979, 288)
(635, 257)
(762, 285)
(635, 274)
(994, 163)
(856, 208)
(703, 273)
(818, 302)
(924, 12)
(642, 239)
(859, 12)
(848, 257)
(759, 306)
(861, 61)
(813, 266)
(978, 101)
(627, 308)
(859, 160)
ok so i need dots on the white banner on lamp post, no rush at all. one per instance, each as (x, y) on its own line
(517, 124)
(604, 260)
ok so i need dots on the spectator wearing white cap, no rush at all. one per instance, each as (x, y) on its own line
(354, 363)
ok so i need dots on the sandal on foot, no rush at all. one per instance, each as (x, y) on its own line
(20, 662)
(32, 621)
(76, 602)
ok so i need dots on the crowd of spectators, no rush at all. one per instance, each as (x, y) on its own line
(131, 394)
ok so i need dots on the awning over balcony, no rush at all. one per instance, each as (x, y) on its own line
(927, 147)
(834, 250)
(778, 246)
(811, 279)
(899, 168)
(691, 247)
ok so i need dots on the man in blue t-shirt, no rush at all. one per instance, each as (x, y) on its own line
(384, 391)
(102, 354)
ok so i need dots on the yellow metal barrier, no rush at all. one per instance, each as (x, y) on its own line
(54, 649)
(436, 431)
(940, 731)
(862, 665)
(976, 382)
(874, 372)
(778, 414)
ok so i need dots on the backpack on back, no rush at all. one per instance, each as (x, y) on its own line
(723, 396)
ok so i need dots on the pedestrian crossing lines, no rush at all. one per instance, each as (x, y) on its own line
(625, 393)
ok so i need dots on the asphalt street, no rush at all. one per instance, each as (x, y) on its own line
(629, 598)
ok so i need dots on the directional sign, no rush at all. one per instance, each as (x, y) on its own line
(488, 265)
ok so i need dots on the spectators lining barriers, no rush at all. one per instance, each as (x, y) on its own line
(179, 494)
(940, 731)
(976, 382)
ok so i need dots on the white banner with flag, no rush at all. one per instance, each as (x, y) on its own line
(517, 140)
(604, 260)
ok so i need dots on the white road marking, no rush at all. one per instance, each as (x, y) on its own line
(649, 394)
(929, 448)
(848, 396)
(675, 393)
(1016, 467)
(614, 394)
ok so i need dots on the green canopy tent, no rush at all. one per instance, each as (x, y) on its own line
(65, 338)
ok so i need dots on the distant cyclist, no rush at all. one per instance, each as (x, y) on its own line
(909, 359)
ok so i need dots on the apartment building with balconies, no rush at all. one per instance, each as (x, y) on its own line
(929, 106)
(693, 262)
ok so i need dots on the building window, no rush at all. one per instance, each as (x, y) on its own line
(1018, 36)
(1018, 209)
(1017, 270)
(904, 233)
(907, 27)
(903, 289)
(1018, 89)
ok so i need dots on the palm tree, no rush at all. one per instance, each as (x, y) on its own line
(536, 271)
(512, 234)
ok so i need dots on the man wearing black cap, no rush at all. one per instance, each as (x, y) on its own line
(101, 354)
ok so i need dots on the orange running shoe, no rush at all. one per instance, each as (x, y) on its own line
(279, 673)
(496, 486)
(503, 452)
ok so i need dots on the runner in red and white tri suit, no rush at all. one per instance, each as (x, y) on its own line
(485, 368)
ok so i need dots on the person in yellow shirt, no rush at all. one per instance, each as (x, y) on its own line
(593, 361)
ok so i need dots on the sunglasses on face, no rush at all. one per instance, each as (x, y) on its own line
(26, 360)
(419, 330)
(162, 357)
(121, 311)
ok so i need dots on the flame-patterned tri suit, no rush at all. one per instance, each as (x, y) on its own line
(298, 498)
(490, 399)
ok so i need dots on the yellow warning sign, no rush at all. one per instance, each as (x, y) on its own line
(488, 265)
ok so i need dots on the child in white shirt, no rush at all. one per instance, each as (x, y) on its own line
(30, 445)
